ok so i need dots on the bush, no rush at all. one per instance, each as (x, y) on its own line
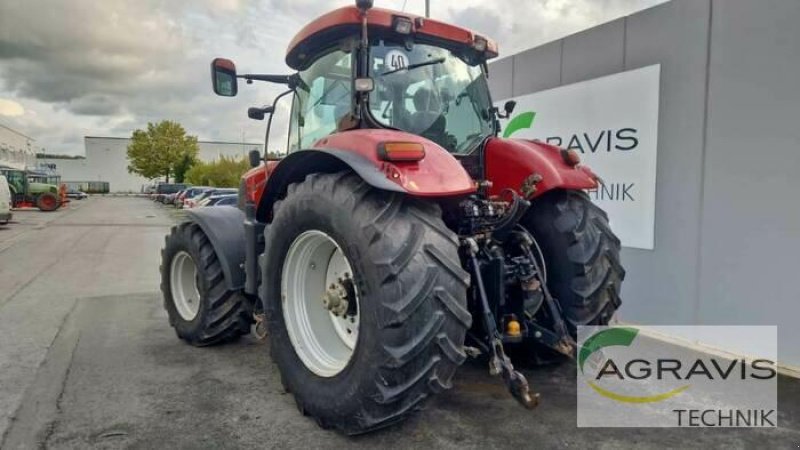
(224, 172)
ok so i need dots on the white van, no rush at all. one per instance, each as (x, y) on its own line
(5, 201)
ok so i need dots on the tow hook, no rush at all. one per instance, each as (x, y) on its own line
(499, 363)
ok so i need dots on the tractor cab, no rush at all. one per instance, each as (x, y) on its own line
(415, 75)
(362, 68)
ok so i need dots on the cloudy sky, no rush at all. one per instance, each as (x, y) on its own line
(72, 68)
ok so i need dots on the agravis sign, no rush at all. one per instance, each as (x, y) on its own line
(613, 122)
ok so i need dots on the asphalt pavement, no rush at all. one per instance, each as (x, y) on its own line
(88, 360)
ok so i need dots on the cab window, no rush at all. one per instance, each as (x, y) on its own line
(16, 180)
(322, 101)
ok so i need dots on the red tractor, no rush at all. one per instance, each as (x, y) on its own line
(399, 235)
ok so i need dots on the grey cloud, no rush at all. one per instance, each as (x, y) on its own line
(109, 67)
(81, 48)
(94, 105)
(522, 24)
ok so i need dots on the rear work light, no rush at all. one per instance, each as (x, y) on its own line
(480, 43)
(401, 151)
(402, 25)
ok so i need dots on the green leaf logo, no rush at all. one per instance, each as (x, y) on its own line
(623, 336)
(618, 336)
(519, 122)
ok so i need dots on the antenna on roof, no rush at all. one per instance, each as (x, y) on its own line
(427, 8)
(364, 5)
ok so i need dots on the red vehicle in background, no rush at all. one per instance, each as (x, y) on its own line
(399, 235)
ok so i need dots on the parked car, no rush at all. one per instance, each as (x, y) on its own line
(228, 200)
(189, 193)
(194, 201)
(165, 189)
(219, 200)
(5, 201)
(175, 197)
(76, 194)
(169, 199)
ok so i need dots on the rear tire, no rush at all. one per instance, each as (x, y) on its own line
(581, 254)
(47, 201)
(202, 311)
(411, 293)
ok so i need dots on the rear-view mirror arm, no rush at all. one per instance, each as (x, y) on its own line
(250, 77)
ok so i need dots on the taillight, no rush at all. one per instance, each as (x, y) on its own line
(401, 151)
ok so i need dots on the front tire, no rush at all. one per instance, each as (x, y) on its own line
(411, 300)
(200, 307)
(581, 255)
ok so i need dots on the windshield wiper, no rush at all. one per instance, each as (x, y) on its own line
(415, 66)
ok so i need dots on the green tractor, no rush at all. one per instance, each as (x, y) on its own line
(29, 189)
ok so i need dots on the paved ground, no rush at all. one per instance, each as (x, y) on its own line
(87, 359)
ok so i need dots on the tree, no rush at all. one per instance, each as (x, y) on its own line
(163, 149)
(182, 167)
(224, 172)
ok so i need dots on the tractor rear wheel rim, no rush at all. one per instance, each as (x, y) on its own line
(183, 280)
(314, 269)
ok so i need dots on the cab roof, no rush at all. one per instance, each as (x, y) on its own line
(326, 30)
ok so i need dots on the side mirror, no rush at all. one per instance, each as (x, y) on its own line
(255, 158)
(259, 113)
(223, 77)
(509, 107)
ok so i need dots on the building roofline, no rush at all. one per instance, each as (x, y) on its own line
(199, 141)
(17, 132)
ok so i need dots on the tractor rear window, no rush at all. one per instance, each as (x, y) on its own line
(430, 91)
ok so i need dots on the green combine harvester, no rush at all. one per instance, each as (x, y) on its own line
(34, 189)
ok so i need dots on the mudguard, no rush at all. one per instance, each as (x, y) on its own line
(439, 174)
(510, 163)
(224, 227)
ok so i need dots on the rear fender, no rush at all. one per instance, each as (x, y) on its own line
(439, 174)
(224, 228)
(510, 162)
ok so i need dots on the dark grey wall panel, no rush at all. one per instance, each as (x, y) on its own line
(727, 233)
(593, 53)
(661, 286)
(537, 69)
(750, 257)
(500, 78)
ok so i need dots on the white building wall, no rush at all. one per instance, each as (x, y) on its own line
(16, 149)
(106, 160)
